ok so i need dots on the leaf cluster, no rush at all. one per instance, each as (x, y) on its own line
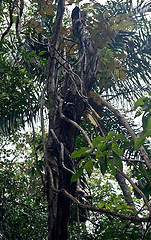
(143, 107)
(104, 148)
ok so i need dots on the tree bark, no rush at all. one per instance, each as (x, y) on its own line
(62, 134)
(125, 189)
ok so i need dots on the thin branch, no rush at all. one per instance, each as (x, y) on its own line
(132, 160)
(139, 211)
(43, 124)
(101, 210)
(69, 70)
(11, 20)
(73, 123)
(125, 189)
(18, 20)
(26, 205)
(91, 221)
(72, 78)
(61, 152)
(36, 41)
(78, 221)
(35, 150)
(51, 178)
(93, 208)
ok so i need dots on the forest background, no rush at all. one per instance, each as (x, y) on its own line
(75, 162)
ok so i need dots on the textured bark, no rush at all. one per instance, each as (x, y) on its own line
(125, 189)
(62, 133)
(59, 205)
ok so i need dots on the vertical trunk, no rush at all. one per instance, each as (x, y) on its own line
(58, 204)
(59, 211)
(63, 134)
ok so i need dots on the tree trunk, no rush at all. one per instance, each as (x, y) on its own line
(59, 205)
(62, 133)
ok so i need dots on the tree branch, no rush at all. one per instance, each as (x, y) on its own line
(123, 122)
(93, 208)
(74, 123)
(11, 20)
(125, 189)
(43, 124)
(51, 70)
(101, 210)
(136, 188)
(61, 153)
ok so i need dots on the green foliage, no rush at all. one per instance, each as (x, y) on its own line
(116, 27)
(77, 175)
(106, 195)
(143, 107)
(122, 38)
(23, 66)
(23, 205)
(142, 180)
(80, 152)
(103, 147)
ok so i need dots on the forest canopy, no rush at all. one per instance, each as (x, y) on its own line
(75, 119)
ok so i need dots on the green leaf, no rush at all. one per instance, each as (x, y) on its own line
(144, 121)
(89, 166)
(138, 113)
(78, 174)
(148, 127)
(112, 168)
(97, 140)
(140, 102)
(103, 147)
(103, 164)
(102, 154)
(102, 204)
(139, 141)
(116, 149)
(42, 52)
(80, 152)
(117, 161)
(120, 137)
(111, 134)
